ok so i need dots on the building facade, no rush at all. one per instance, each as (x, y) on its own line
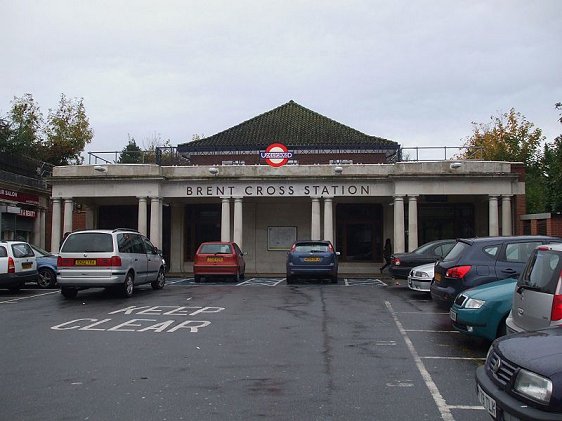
(335, 184)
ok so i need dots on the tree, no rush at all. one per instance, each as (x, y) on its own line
(21, 130)
(552, 170)
(508, 137)
(131, 154)
(68, 132)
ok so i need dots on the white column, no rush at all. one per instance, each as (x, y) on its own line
(90, 217)
(43, 227)
(37, 228)
(315, 220)
(328, 220)
(68, 208)
(176, 241)
(506, 215)
(238, 222)
(155, 234)
(493, 229)
(142, 223)
(225, 219)
(56, 226)
(412, 223)
(398, 224)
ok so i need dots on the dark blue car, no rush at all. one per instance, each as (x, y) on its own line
(312, 260)
(522, 376)
(46, 266)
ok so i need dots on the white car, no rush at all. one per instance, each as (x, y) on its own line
(419, 278)
(18, 264)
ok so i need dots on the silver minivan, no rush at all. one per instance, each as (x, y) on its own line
(119, 258)
(537, 300)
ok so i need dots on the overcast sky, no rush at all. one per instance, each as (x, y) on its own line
(416, 72)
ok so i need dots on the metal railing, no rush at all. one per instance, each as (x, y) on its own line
(168, 155)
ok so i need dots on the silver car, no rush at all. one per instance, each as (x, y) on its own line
(120, 258)
(419, 278)
(537, 300)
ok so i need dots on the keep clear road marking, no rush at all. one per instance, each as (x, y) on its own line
(439, 401)
(14, 300)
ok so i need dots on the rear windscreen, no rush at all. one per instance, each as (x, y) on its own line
(311, 248)
(543, 271)
(93, 242)
(22, 250)
(456, 251)
(215, 249)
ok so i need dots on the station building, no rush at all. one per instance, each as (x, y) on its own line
(291, 174)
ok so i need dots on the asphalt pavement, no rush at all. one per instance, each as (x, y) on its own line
(364, 349)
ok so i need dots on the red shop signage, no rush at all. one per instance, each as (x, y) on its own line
(14, 196)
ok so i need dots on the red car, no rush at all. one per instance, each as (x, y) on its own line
(219, 259)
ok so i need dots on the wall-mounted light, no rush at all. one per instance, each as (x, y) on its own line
(455, 165)
(100, 168)
(214, 170)
(338, 169)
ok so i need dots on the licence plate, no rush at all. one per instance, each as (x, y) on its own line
(85, 262)
(453, 315)
(26, 265)
(311, 259)
(487, 402)
(214, 259)
(437, 277)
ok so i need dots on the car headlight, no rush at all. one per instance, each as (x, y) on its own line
(474, 303)
(422, 275)
(533, 386)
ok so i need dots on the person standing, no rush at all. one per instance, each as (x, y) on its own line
(387, 253)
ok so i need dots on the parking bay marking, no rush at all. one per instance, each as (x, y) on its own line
(15, 300)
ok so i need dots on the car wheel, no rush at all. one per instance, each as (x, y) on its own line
(15, 288)
(128, 286)
(237, 276)
(47, 278)
(197, 279)
(334, 280)
(290, 279)
(160, 280)
(69, 292)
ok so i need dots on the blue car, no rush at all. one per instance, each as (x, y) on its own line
(46, 266)
(313, 260)
(481, 311)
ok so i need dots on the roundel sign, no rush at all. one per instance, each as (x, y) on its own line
(276, 155)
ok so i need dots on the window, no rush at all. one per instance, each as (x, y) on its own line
(519, 252)
(93, 242)
(491, 251)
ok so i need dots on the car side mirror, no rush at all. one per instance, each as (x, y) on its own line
(337, 253)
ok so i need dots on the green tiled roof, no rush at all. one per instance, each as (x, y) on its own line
(293, 125)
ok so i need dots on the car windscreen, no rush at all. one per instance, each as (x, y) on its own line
(312, 248)
(542, 271)
(92, 242)
(425, 249)
(215, 249)
(456, 251)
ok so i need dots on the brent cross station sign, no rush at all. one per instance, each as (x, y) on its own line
(282, 189)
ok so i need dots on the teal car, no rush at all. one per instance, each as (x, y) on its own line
(481, 311)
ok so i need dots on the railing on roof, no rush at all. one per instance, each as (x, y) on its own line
(23, 170)
(168, 155)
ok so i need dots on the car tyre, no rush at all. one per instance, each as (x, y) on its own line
(290, 279)
(237, 276)
(47, 278)
(69, 292)
(197, 279)
(334, 280)
(160, 280)
(502, 328)
(128, 287)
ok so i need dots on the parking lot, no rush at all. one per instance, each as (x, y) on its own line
(366, 348)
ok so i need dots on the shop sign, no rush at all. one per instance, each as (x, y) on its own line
(26, 213)
(14, 196)
(276, 155)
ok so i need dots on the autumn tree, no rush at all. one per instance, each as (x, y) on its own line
(510, 137)
(552, 170)
(67, 133)
(21, 129)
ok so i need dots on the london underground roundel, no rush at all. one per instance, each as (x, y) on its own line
(276, 155)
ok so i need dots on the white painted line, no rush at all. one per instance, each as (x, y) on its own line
(278, 282)
(244, 282)
(439, 401)
(346, 282)
(465, 407)
(175, 282)
(13, 300)
(454, 358)
(431, 331)
(417, 312)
